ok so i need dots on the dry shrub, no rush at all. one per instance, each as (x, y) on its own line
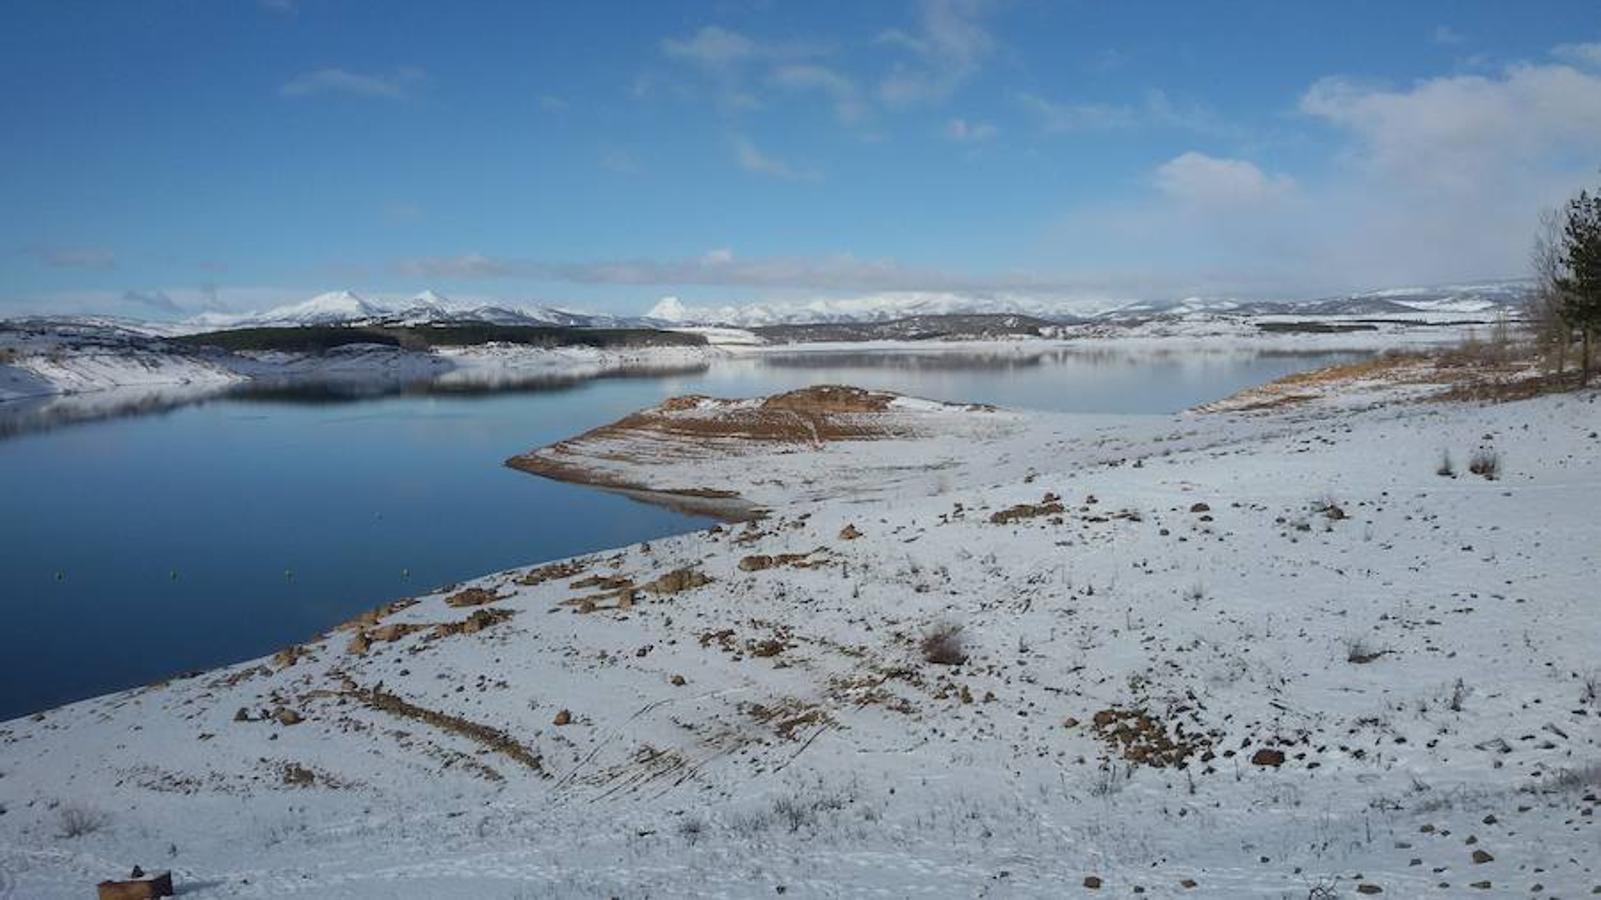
(1485, 463)
(944, 645)
(77, 820)
(1446, 469)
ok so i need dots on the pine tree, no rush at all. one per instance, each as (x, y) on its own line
(1581, 279)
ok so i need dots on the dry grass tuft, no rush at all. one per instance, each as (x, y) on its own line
(944, 645)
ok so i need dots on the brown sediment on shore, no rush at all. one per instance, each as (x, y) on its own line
(1472, 372)
(633, 455)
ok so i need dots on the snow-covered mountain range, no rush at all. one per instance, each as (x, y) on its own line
(428, 307)
(1468, 299)
(349, 308)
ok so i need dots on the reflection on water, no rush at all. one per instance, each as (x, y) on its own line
(235, 523)
(42, 414)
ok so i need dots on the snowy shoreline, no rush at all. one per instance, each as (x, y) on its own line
(75, 362)
(748, 708)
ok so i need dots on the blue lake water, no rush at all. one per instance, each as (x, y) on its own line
(138, 546)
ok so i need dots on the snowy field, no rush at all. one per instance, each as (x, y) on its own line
(1252, 653)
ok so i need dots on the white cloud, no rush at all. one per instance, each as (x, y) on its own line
(1579, 54)
(619, 160)
(1434, 182)
(1211, 182)
(1155, 110)
(712, 47)
(169, 301)
(737, 66)
(1064, 117)
(1445, 35)
(401, 212)
(467, 265)
(841, 90)
(948, 45)
(159, 301)
(393, 86)
(963, 131)
(722, 267)
(1465, 133)
(82, 258)
(752, 159)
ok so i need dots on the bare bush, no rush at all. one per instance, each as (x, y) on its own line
(1545, 312)
(944, 645)
(1110, 779)
(690, 829)
(76, 820)
(1582, 778)
(1590, 692)
(1359, 651)
(1485, 463)
(1447, 469)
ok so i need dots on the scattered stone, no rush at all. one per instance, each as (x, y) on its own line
(1200, 508)
(1092, 882)
(299, 776)
(1049, 506)
(554, 571)
(1482, 856)
(849, 533)
(677, 580)
(288, 656)
(677, 681)
(564, 717)
(471, 597)
(287, 716)
(1369, 889)
(394, 631)
(1267, 756)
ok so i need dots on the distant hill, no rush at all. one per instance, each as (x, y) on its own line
(901, 316)
(912, 328)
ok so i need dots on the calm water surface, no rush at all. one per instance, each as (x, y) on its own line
(139, 546)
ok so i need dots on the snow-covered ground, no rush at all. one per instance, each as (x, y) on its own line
(1251, 653)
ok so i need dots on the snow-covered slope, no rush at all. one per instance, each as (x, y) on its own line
(1253, 655)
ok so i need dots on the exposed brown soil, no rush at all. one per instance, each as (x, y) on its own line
(1137, 736)
(1049, 505)
(762, 561)
(471, 597)
(810, 416)
(554, 571)
(492, 738)
(1473, 372)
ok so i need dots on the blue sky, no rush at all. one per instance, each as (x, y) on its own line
(163, 158)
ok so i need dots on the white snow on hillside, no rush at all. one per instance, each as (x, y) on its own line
(1257, 654)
